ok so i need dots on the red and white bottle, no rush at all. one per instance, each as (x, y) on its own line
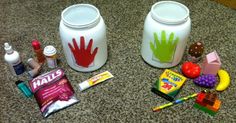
(38, 51)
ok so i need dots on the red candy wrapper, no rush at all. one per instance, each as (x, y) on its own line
(53, 91)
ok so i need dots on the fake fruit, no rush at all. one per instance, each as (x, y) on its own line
(207, 80)
(191, 70)
(224, 80)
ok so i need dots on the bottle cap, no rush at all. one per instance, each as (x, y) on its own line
(8, 48)
(84, 85)
(36, 44)
(18, 82)
(29, 60)
(49, 50)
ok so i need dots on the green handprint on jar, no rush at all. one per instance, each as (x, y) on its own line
(164, 49)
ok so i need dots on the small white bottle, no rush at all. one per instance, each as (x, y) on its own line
(13, 59)
(50, 53)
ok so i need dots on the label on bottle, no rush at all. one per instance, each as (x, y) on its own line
(19, 68)
(52, 63)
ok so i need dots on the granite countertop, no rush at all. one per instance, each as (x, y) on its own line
(126, 97)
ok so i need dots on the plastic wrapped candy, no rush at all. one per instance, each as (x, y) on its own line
(52, 91)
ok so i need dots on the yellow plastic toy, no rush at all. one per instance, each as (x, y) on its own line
(224, 80)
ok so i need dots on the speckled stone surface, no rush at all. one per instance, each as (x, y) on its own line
(126, 97)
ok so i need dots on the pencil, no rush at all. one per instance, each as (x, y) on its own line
(180, 100)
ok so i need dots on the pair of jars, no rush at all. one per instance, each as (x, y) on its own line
(83, 35)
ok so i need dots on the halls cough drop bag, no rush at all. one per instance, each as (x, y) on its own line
(53, 91)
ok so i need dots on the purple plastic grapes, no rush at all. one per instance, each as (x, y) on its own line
(207, 81)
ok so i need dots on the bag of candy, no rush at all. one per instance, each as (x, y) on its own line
(53, 91)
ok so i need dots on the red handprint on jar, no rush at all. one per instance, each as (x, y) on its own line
(83, 57)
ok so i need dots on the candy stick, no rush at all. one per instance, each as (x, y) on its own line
(180, 100)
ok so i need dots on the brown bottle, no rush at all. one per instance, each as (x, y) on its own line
(38, 51)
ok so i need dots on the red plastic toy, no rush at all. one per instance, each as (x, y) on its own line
(191, 70)
(208, 102)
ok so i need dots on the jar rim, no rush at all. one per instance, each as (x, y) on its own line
(92, 16)
(180, 15)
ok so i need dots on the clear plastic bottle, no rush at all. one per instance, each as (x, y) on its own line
(13, 59)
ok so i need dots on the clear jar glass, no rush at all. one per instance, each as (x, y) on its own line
(83, 36)
(166, 31)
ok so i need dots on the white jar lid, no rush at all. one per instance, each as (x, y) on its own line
(49, 50)
(169, 12)
(80, 16)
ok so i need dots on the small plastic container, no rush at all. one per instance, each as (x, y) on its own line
(35, 67)
(50, 54)
(166, 31)
(83, 36)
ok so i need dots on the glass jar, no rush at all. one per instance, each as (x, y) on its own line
(83, 36)
(166, 31)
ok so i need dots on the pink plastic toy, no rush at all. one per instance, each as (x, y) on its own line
(211, 63)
